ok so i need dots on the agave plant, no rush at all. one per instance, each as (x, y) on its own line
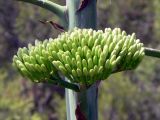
(81, 56)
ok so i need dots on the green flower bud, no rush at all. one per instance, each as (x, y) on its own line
(113, 64)
(83, 43)
(26, 73)
(32, 60)
(123, 52)
(59, 54)
(97, 42)
(80, 51)
(97, 51)
(57, 63)
(37, 67)
(118, 59)
(141, 51)
(78, 58)
(85, 71)
(68, 59)
(91, 41)
(59, 45)
(103, 42)
(84, 63)
(26, 58)
(73, 51)
(95, 70)
(124, 33)
(95, 60)
(109, 40)
(69, 44)
(62, 69)
(113, 57)
(91, 72)
(55, 55)
(30, 47)
(107, 64)
(132, 49)
(108, 30)
(28, 66)
(136, 55)
(106, 50)
(90, 63)
(101, 61)
(85, 49)
(79, 65)
(74, 46)
(100, 70)
(120, 43)
(67, 53)
(67, 66)
(19, 64)
(111, 47)
(65, 47)
(79, 72)
(37, 57)
(20, 54)
(73, 62)
(74, 73)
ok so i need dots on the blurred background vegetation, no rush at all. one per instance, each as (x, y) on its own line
(131, 95)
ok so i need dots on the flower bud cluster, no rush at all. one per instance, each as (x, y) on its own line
(33, 62)
(82, 55)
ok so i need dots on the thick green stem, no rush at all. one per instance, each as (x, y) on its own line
(58, 10)
(152, 52)
(71, 101)
(87, 99)
(83, 19)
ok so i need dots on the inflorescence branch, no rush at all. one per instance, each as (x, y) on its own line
(57, 9)
(66, 84)
(152, 52)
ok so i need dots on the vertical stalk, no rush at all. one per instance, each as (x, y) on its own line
(87, 99)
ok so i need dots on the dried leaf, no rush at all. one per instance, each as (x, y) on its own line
(79, 114)
(83, 4)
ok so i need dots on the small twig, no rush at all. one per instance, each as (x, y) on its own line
(55, 25)
(152, 52)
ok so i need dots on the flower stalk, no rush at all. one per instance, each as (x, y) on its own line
(57, 9)
(87, 99)
(152, 52)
